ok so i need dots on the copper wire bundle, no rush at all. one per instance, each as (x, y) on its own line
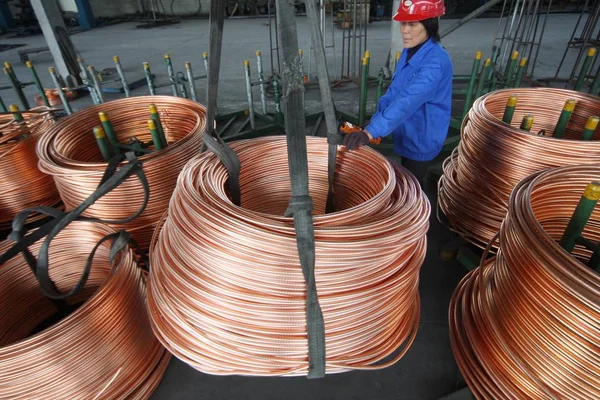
(526, 324)
(493, 157)
(226, 292)
(104, 349)
(69, 153)
(22, 184)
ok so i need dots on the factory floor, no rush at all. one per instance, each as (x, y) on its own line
(428, 370)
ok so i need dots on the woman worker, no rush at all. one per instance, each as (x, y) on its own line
(416, 107)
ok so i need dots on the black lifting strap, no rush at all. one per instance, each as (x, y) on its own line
(301, 204)
(211, 139)
(333, 137)
(110, 180)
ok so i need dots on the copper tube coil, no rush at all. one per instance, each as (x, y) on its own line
(493, 157)
(22, 184)
(226, 291)
(104, 349)
(69, 153)
(526, 324)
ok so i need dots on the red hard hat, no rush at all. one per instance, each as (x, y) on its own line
(419, 10)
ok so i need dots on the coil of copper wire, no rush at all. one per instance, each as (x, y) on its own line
(226, 291)
(493, 157)
(69, 153)
(104, 349)
(526, 323)
(22, 184)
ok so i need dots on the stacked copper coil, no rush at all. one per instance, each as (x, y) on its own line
(69, 153)
(526, 324)
(104, 349)
(493, 157)
(226, 291)
(22, 184)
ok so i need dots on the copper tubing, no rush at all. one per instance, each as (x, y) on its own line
(526, 324)
(69, 153)
(493, 157)
(103, 350)
(226, 292)
(22, 184)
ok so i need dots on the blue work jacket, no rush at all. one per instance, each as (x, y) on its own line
(416, 106)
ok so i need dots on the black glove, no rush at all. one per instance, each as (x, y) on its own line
(354, 140)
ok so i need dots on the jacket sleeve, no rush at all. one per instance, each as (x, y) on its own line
(420, 89)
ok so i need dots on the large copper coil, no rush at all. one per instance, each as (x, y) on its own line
(493, 157)
(22, 184)
(69, 153)
(226, 292)
(104, 349)
(526, 323)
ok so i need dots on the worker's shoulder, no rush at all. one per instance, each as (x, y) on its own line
(438, 56)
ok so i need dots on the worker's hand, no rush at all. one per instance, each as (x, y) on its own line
(354, 140)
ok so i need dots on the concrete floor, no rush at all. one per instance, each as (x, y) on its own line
(428, 371)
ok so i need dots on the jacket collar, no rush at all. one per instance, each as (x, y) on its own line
(418, 57)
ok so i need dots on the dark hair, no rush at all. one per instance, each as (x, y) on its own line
(432, 27)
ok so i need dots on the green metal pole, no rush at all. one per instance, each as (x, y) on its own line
(191, 82)
(474, 71)
(59, 89)
(149, 79)
(102, 143)
(17, 116)
(38, 83)
(14, 81)
(97, 84)
(527, 122)
(510, 70)
(171, 73)
(484, 72)
(261, 79)
(563, 120)
(364, 87)
(110, 132)
(520, 72)
(249, 95)
(301, 55)
(590, 128)
(156, 138)
(156, 118)
(277, 99)
(85, 78)
(205, 59)
(585, 68)
(2, 106)
(580, 216)
(119, 68)
(596, 83)
(509, 111)
(379, 86)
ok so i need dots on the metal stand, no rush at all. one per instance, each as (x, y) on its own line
(354, 37)
(323, 29)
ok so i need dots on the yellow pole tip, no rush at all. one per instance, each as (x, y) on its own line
(99, 132)
(246, 63)
(153, 108)
(205, 54)
(116, 58)
(167, 56)
(592, 191)
(592, 52)
(13, 108)
(300, 51)
(146, 65)
(523, 61)
(512, 101)
(151, 124)
(514, 55)
(7, 64)
(570, 105)
(488, 61)
(367, 54)
(365, 61)
(79, 59)
(257, 53)
(592, 123)
(51, 70)
(29, 64)
(103, 116)
(478, 55)
(91, 68)
(188, 65)
(398, 55)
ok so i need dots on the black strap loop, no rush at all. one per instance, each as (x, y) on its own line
(230, 160)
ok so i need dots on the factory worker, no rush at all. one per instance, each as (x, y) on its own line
(416, 107)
